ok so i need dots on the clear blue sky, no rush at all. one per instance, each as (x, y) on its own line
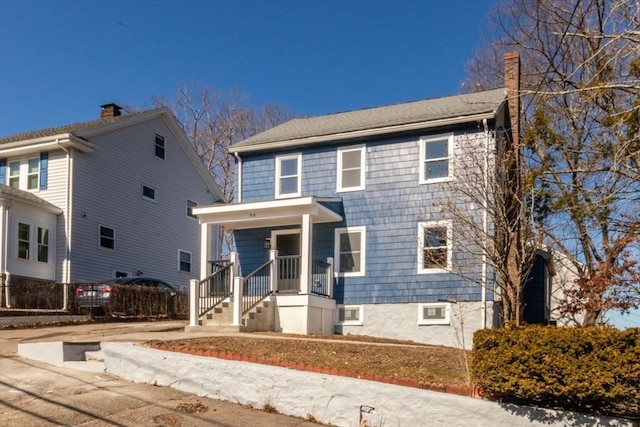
(60, 60)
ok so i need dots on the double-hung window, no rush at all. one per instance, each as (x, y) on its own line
(24, 240)
(288, 175)
(184, 261)
(14, 174)
(351, 168)
(33, 174)
(107, 237)
(43, 244)
(434, 247)
(350, 251)
(160, 147)
(436, 155)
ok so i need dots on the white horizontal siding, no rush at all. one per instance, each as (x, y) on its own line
(107, 190)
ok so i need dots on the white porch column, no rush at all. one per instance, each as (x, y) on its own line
(194, 297)
(205, 249)
(330, 277)
(305, 253)
(237, 301)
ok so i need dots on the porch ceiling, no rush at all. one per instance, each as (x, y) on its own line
(272, 213)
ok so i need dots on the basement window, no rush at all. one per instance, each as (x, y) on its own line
(434, 314)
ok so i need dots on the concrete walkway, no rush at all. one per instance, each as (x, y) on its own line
(38, 394)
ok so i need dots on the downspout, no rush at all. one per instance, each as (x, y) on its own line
(485, 227)
(239, 171)
(66, 265)
(4, 223)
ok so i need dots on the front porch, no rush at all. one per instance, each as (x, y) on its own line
(288, 286)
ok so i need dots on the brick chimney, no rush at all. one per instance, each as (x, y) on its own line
(512, 83)
(109, 111)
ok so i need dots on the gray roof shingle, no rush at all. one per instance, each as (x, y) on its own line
(72, 128)
(381, 117)
(26, 196)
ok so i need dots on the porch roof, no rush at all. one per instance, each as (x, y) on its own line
(270, 213)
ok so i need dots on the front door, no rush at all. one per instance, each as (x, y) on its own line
(287, 243)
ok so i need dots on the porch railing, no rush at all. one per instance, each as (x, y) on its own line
(288, 273)
(320, 277)
(256, 286)
(216, 287)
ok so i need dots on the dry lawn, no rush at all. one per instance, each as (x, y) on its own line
(356, 354)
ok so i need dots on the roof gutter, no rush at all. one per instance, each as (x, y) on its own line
(363, 133)
(65, 140)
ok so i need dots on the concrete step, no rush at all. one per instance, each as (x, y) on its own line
(95, 355)
(87, 356)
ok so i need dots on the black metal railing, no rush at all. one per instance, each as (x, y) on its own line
(256, 286)
(320, 277)
(288, 273)
(216, 287)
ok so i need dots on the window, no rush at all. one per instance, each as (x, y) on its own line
(350, 251)
(184, 261)
(43, 244)
(434, 314)
(190, 205)
(349, 315)
(148, 192)
(33, 176)
(14, 174)
(160, 148)
(288, 172)
(25, 173)
(351, 168)
(436, 153)
(434, 247)
(107, 237)
(24, 237)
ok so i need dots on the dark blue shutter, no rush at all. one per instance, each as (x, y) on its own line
(3, 171)
(44, 160)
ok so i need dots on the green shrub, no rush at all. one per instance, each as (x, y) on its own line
(593, 370)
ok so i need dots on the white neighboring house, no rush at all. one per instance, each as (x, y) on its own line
(100, 199)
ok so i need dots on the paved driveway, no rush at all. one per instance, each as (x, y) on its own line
(38, 394)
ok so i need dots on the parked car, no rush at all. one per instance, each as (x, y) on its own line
(97, 294)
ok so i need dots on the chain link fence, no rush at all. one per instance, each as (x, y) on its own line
(25, 303)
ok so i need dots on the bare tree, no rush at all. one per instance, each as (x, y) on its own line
(213, 121)
(491, 237)
(581, 141)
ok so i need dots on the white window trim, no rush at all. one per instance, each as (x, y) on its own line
(363, 165)
(100, 237)
(358, 322)
(363, 250)
(279, 159)
(180, 251)
(433, 224)
(422, 143)
(447, 314)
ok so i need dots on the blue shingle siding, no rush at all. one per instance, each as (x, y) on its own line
(391, 207)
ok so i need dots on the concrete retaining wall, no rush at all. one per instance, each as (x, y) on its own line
(329, 399)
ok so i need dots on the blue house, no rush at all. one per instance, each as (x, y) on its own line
(339, 224)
